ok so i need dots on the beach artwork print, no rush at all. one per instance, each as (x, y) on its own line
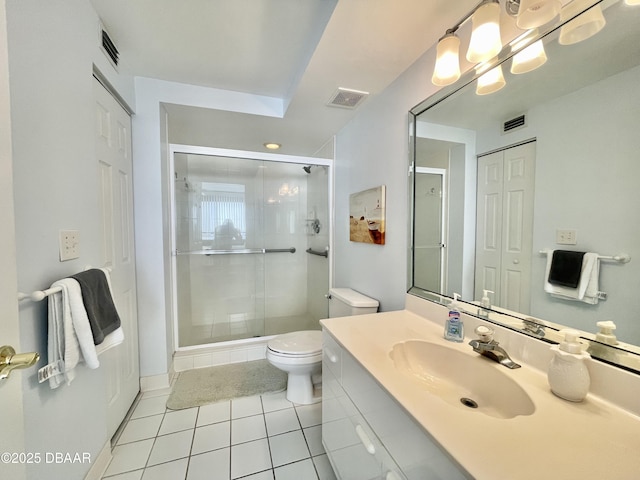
(367, 216)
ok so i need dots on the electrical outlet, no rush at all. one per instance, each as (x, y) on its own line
(566, 237)
(69, 245)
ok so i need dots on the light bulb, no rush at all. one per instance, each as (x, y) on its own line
(447, 69)
(533, 13)
(485, 42)
(490, 82)
(529, 58)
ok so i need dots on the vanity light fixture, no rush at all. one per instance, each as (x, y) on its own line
(583, 26)
(491, 81)
(632, 2)
(485, 41)
(272, 146)
(447, 69)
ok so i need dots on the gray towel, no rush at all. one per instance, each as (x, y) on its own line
(98, 302)
(566, 268)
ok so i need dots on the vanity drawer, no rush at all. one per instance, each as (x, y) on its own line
(331, 356)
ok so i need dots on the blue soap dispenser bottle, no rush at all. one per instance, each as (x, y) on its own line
(454, 328)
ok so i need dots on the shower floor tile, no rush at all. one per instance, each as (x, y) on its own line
(254, 438)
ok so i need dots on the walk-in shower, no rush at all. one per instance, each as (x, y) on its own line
(247, 233)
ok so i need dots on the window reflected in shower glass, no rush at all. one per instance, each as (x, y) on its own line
(223, 214)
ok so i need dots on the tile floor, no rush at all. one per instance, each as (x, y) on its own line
(253, 438)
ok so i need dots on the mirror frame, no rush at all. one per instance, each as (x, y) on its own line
(623, 356)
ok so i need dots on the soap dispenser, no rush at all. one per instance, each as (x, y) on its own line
(485, 304)
(454, 328)
(605, 333)
(568, 375)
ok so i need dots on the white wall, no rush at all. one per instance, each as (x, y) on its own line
(373, 150)
(53, 47)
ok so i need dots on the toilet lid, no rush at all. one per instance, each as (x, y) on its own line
(297, 343)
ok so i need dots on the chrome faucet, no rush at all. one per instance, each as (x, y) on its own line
(485, 345)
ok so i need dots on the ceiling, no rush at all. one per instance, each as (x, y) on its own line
(299, 51)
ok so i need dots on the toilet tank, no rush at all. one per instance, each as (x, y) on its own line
(344, 302)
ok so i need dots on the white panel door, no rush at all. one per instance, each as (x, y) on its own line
(11, 413)
(505, 226)
(113, 149)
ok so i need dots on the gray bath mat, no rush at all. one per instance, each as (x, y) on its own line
(212, 384)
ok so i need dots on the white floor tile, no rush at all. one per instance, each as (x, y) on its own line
(313, 435)
(303, 470)
(214, 413)
(247, 429)
(251, 457)
(211, 437)
(140, 429)
(323, 467)
(309, 415)
(167, 471)
(266, 475)
(137, 475)
(281, 421)
(245, 407)
(131, 456)
(171, 447)
(214, 465)
(275, 401)
(288, 447)
(150, 406)
(175, 421)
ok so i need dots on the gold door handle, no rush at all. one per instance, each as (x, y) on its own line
(10, 360)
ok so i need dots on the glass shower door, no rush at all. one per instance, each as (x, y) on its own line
(242, 269)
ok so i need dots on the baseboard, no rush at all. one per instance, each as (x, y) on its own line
(155, 382)
(100, 464)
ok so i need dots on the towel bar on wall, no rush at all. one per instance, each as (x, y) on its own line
(324, 253)
(621, 258)
(39, 295)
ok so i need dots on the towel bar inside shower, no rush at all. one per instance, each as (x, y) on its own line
(238, 251)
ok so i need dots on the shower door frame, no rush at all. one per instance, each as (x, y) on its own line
(244, 155)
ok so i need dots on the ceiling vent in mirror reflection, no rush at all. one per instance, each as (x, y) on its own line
(517, 122)
(346, 98)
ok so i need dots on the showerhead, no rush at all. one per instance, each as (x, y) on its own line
(307, 168)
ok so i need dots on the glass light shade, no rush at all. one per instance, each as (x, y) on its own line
(632, 2)
(533, 13)
(485, 40)
(490, 82)
(529, 58)
(583, 26)
(447, 69)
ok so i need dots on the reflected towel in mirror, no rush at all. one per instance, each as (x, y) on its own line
(587, 290)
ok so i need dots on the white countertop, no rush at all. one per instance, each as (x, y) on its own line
(592, 439)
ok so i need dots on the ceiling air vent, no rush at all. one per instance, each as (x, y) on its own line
(109, 47)
(345, 98)
(514, 123)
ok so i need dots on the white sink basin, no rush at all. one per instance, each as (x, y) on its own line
(463, 380)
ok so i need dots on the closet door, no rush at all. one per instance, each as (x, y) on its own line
(505, 226)
(113, 149)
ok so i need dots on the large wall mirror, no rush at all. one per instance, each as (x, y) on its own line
(549, 162)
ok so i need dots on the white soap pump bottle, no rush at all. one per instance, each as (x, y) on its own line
(485, 303)
(568, 375)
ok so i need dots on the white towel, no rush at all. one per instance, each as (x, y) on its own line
(588, 286)
(70, 337)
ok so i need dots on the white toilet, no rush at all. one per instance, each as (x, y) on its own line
(300, 353)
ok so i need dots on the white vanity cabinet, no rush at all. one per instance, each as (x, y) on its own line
(366, 433)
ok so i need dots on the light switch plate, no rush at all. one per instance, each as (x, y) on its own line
(69, 245)
(566, 237)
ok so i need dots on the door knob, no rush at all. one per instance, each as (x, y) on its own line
(10, 360)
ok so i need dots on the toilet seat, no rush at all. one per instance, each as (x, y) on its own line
(307, 343)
